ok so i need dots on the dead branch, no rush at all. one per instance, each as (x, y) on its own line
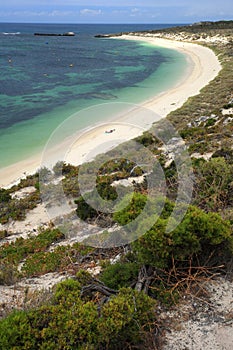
(97, 286)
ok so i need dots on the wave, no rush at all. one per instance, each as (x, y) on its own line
(14, 33)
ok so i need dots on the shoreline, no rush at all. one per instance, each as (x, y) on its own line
(204, 66)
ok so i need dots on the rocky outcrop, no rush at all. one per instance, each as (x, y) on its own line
(55, 34)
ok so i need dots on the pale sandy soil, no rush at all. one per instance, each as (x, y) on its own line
(35, 218)
(28, 292)
(203, 325)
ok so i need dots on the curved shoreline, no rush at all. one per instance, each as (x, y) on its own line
(204, 67)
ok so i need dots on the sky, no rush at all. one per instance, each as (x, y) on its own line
(115, 11)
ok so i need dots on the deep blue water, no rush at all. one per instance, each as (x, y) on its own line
(42, 75)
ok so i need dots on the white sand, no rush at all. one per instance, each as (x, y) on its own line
(203, 67)
(198, 324)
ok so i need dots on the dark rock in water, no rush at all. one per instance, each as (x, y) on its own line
(107, 35)
(55, 34)
(47, 34)
(102, 35)
(69, 34)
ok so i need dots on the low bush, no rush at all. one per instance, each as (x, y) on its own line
(11, 254)
(69, 323)
(199, 234)
(120, 275)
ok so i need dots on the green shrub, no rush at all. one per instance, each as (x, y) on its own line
(42, 262)
(132, 210)
(11, 254)
(213, 190)
(16, 251)
(4, 195)
(198, 147)
(59, 259)
(8, 274)
(16, 209)
(4, 234)
(71, 323)
(125, 318)
(119, 274)
(62, 289)
(210, 122)
(199, 233)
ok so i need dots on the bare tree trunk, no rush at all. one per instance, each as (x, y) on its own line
(144, 279)
(142, 276)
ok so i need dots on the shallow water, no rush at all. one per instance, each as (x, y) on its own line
(44, 80)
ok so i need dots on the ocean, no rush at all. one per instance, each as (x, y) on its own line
(46, 79)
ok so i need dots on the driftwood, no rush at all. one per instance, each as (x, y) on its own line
(101, 288)
(145, 277)
(181, 278)
(96, 286)
(101, 253)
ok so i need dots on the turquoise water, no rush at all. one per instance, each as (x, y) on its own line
(34, 106)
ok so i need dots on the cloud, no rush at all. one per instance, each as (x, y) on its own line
(134, 10)
(93, 3)
(118, 11)
(57, 13)
(90, 12)
(54, 13)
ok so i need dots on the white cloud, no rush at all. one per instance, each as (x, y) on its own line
(120, 12)
(57, 13)
(117, 10)
(135, 10)
(29, 13)
(90, 12)
(39, 14)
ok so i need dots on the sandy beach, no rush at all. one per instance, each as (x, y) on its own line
(83, 146)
